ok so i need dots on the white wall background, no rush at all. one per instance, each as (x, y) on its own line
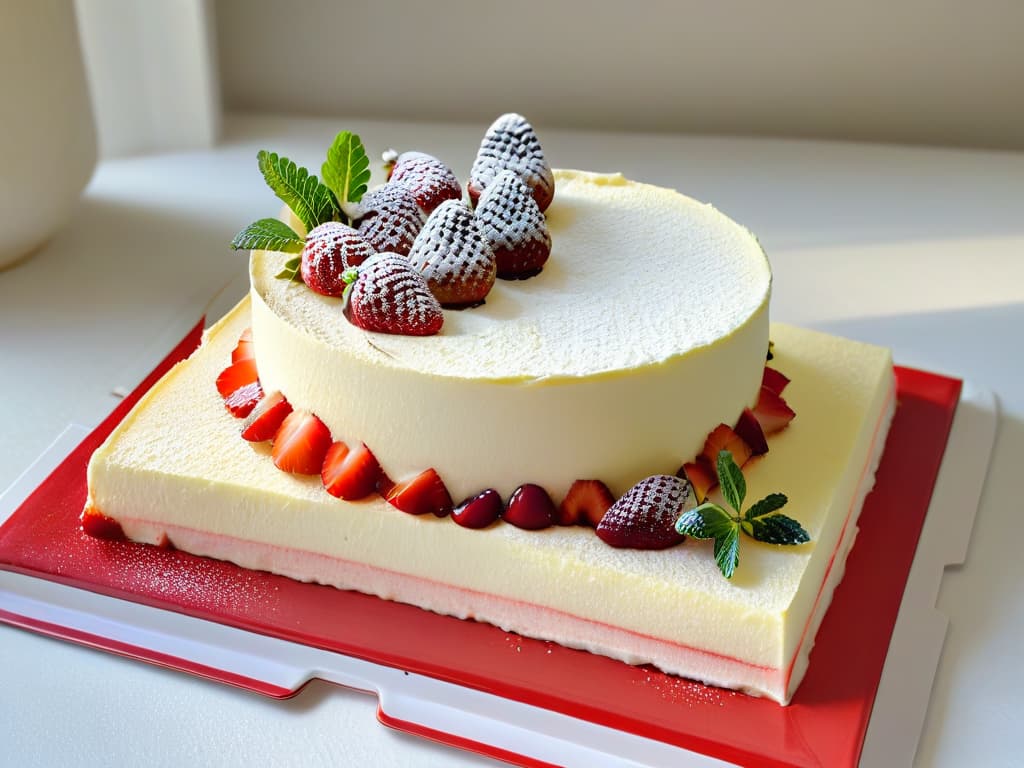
(919, 71)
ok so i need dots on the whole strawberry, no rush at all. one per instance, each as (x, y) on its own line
(515, 227)
(330, 249)
(511, 144)
(389, 218)
(430, 181)
(389, 296)
(645, 517)
(454, 256)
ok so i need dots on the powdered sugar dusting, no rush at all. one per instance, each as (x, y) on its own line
(514, 225)
(391, 297)
(454, 255)
(511, 144)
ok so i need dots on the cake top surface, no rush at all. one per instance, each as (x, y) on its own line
(638, 275)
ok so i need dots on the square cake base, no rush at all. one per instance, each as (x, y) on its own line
(176, 471)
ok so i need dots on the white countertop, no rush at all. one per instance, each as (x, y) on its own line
(918, 249)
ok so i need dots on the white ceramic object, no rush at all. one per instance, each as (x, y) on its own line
(47, 135)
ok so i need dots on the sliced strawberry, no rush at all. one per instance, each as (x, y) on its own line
(515, 227)
(350, 474)
(245, 349)
(584, 504)
(389, 218)
(723, 438)
(774, 380)
(244, 399)
(266, 418)
(330, 249)
(480, 510)
(749, 430)
(301, 444)
(430, 181)
(702, 477)
(772, 412)
(390, 296)
(237, 375)
(100, 526)
(645, 517)
(425, 493)
(455, 257)
(530, 507)
(511, 144)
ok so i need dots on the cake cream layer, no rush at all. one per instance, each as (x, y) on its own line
(596, 367)
(230, 493)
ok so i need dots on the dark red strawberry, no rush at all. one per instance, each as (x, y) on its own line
(645, 517)
(480, 510)
(511, 144)
(266, 418)
(749, 430)
(454, 256)
(430, 181)
(390, 296)
(774, 380)
(350, 474)
(724, 438)
(423, 494)
(772, 412)
(515, 227)
(244, 350)
(237, 375)
(301, 444)
(584, 504)
(701, 476)
(530, 507)
(244, 399)
(330, 249)
(389, 218)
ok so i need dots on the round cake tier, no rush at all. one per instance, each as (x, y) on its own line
(646, 329)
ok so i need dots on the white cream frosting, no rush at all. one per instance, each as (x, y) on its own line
(744, 633)
(600, 366)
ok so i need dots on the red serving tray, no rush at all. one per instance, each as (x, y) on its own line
(824, 725)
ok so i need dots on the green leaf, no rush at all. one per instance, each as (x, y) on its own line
(730, 478)
(708, 521)
(291, 270)
(727, 551)
(347, 168)
(301, 191)
(268, 235)
(770, 503)
(778, 529)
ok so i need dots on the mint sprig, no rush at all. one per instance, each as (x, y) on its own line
(347, 168)
(762, 521)
(300, 190)
(268, 235)
(292, 270)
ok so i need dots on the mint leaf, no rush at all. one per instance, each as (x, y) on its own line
(347, 168)
(292, 270)
(301, 191)
(777, 529)
(268, 235)
(767, 505)
(727, 551)
(730, 478)
(708, 521)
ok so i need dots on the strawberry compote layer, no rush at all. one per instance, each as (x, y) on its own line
(671, 608)
(647, 327)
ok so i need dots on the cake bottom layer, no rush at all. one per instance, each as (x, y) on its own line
(669, 608)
